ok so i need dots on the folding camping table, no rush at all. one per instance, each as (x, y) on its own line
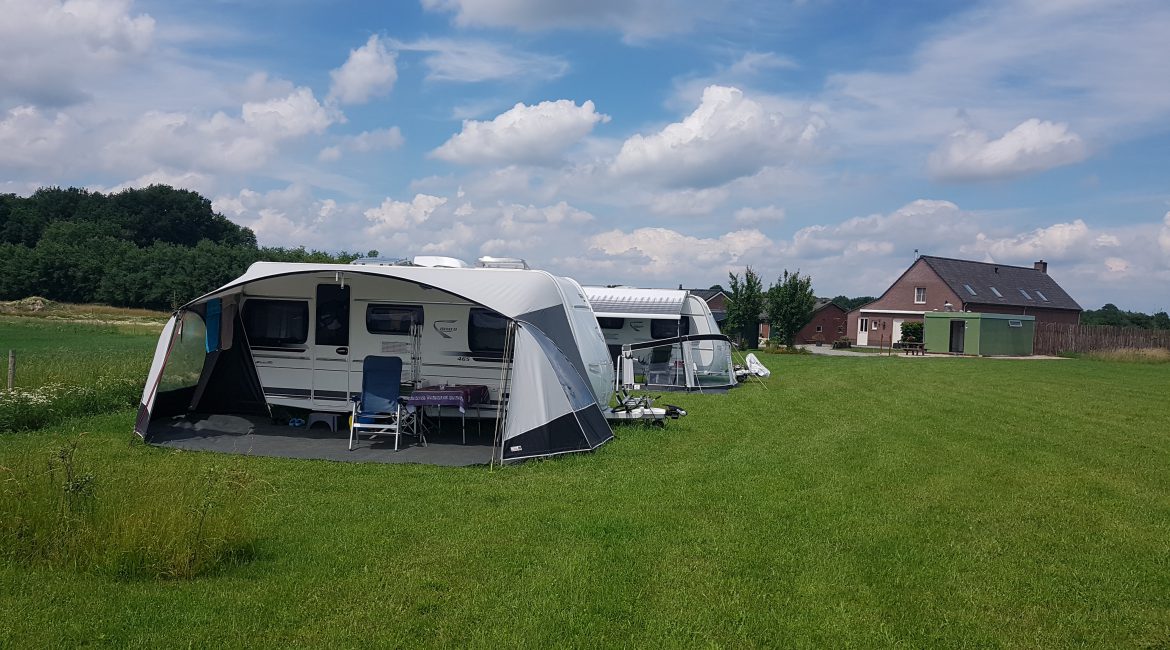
(459, 395)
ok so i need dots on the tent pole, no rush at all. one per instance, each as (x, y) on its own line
(505, 388)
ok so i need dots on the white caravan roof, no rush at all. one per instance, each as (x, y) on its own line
(627, 302)
(524, 291)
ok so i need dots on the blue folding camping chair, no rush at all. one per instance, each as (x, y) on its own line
(379, 410)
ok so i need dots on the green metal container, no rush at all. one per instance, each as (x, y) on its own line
(987, 335)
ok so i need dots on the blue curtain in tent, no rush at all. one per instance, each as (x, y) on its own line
(214, 314)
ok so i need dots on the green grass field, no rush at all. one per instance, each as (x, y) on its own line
(870, 502)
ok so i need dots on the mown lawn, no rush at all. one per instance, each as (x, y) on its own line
(852, 502)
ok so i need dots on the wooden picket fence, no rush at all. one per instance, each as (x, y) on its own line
(1054, 338)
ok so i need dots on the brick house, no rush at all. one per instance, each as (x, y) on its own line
(827, 325)
(942, 284)
(716, 300)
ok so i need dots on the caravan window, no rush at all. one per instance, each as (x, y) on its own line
(332, 315)
(276, 322)
(611, 323)
(663, 328)
(486, 331)
(392, 319)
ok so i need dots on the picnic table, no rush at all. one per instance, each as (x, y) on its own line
(913, 348)
(461, 396)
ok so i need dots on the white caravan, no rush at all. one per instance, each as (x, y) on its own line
(681, 320)
(307, 328)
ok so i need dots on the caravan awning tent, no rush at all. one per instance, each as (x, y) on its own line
(670, 335)
(556, 383)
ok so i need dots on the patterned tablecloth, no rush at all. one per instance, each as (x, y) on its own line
(462, 396)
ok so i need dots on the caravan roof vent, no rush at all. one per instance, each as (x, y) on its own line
(382, 261)
(439, 261)
(502, 263)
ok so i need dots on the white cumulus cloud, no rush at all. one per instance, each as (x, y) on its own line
(393, 216)
(1164, 236)
(370, 71)
(50, 49)
(31, 139)
(728, 136)
(1032, 146)
(218, 143)
(662, 252)
(524, 134)
(1058, 241)
(292, 216)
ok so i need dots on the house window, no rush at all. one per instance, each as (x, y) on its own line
(996, 292)
(920, 295)
(611, 323)
(276, 322)
(1042, 296)
(1015, 323)
(1025, 294)
(862, 324)
(392, 319)
(818, 328)
(970, 290)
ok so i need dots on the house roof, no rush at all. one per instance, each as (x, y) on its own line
(986, 283)
(705, 294)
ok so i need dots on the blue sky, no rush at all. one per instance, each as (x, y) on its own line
(641, 142)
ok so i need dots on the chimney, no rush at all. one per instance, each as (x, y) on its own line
(1041, 266)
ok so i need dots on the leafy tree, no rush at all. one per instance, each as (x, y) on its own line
(1162, 320)
(790, 303)
(745, 301)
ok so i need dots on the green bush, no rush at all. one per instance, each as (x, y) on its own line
(158, 524)
(912, 331)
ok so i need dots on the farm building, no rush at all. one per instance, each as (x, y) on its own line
(986, 335)
(939, 284)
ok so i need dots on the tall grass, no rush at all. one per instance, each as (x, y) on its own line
(57, 512)
(67, 369)
(23, 409)
(1132, 355)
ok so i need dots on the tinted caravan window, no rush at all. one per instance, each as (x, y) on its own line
(276, 322)
(392, 319)
(332, 315)
(611, 323)
(486, 331)
(661, 328)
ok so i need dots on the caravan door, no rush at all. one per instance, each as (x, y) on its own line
(331, 387)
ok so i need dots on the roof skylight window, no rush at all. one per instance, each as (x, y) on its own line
(996, 292)
(970, 290)
(1042, 296)
(1025, 294)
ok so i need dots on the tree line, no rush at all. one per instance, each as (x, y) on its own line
(155, 247)
(1111, 315)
